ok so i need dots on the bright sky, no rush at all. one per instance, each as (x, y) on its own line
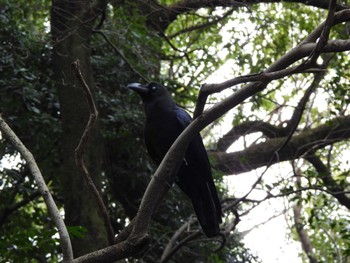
(265, 226)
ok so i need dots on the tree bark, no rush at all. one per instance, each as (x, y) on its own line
(268, 152)
(71, 23)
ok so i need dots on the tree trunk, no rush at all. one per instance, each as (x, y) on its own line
(71, 27)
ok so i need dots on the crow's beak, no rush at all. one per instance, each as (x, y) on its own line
(139, 88)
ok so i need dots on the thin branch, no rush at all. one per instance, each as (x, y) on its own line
(173, 240)
(44, 191)
(79, 151)
(295, 119)
(116, 50)
(337, 191)
(7, 211)
(322, 41)
(204, 25)
(279, 69)
(304, 239)
(167, 14)
(179, 245)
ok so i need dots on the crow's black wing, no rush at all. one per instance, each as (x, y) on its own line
(195, 179)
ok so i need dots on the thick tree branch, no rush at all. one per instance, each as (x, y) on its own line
(44, 191)
(79, 151)
(267, 129)
(261, 154)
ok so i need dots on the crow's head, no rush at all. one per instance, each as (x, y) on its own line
(149, 92)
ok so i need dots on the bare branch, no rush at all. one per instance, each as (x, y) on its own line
(79, 151)
(44, 191)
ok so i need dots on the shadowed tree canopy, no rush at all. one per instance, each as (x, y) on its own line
(267, 83)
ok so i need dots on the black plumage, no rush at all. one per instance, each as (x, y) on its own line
(164, 123)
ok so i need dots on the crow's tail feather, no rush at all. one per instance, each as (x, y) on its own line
(207, 210)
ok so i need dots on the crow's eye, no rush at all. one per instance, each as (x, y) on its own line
(154, 88)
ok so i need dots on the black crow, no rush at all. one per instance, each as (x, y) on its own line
(164, 123)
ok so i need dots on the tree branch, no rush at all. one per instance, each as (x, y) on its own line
(173, 250)
(267, 129)
(79, 151)
(44, 191)
(167, 14)
(7, 211)
(115, 252)
(279, 69)
(260, 154)
(337, 191)
(298, 222)
(116, 50)
(204, 25)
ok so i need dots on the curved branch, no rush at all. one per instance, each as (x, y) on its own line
(44, 190)
(79, 151)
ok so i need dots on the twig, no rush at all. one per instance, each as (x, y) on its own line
(116, 50)
(44, 191)
(79, 151)
(171, 252)
(174, 239)
(204, 25)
